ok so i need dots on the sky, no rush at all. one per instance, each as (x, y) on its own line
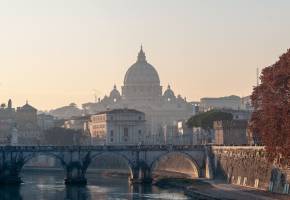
(54, 52)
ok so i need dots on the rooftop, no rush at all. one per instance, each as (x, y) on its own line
(115, 111)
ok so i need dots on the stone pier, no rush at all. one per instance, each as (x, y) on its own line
(141, 175)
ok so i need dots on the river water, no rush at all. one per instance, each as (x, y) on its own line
(49, 186)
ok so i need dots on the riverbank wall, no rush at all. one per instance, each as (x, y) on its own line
(248, 166)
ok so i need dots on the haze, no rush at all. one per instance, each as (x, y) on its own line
(56, 52)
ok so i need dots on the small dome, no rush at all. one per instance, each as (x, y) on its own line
(169, 93)
(115, 93)
(141, 72)
(28, 107)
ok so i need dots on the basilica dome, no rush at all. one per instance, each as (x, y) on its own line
(141, 72)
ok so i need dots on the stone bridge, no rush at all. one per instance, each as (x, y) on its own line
(75, 160)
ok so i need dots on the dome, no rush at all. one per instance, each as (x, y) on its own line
(115, 93)
(141, 72)
(28, 107)
(169, 93)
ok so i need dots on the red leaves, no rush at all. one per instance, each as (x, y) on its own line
(271, 116)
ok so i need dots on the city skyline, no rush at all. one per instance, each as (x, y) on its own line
(55, 53)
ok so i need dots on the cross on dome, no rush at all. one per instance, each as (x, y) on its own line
(141, 55)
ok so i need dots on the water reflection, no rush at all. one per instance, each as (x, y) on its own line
(8, 193)
(50, 187)
(77, 193)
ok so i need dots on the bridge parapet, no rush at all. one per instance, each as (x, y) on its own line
(104, 148)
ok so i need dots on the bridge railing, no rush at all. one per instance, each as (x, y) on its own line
(123, 148)
(103, 148)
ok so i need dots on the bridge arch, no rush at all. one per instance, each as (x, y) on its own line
(194, 165)
(124, 158)
(30, 156)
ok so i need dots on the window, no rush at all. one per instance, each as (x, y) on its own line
(112, 133)
(140, 118)
(140, 132)
(126, 132)
(112, 139)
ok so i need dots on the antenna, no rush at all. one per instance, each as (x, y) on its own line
(95, 96)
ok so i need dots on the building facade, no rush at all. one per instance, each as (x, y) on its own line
(142, 91)
(77, 123)
(118, 126)
(29, 132)
(229, 102)
(232, 132)
(81, 125)
(19, 125)
(45, 121)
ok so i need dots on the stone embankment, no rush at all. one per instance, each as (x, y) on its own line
(247, 166)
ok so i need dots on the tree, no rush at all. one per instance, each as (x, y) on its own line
(62, 136)
(271, 117)
(206, 119)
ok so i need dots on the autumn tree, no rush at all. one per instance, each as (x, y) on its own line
(271, 117)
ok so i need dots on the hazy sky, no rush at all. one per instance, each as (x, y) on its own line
(54, 52)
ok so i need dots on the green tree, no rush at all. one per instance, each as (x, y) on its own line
(62, 136)
(205, 120)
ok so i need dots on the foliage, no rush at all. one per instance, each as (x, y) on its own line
(206, 119)
(271, 117)
(62, 136)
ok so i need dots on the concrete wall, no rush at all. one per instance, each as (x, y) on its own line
(247, 166)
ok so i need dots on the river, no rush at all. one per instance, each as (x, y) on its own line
(50, 186)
